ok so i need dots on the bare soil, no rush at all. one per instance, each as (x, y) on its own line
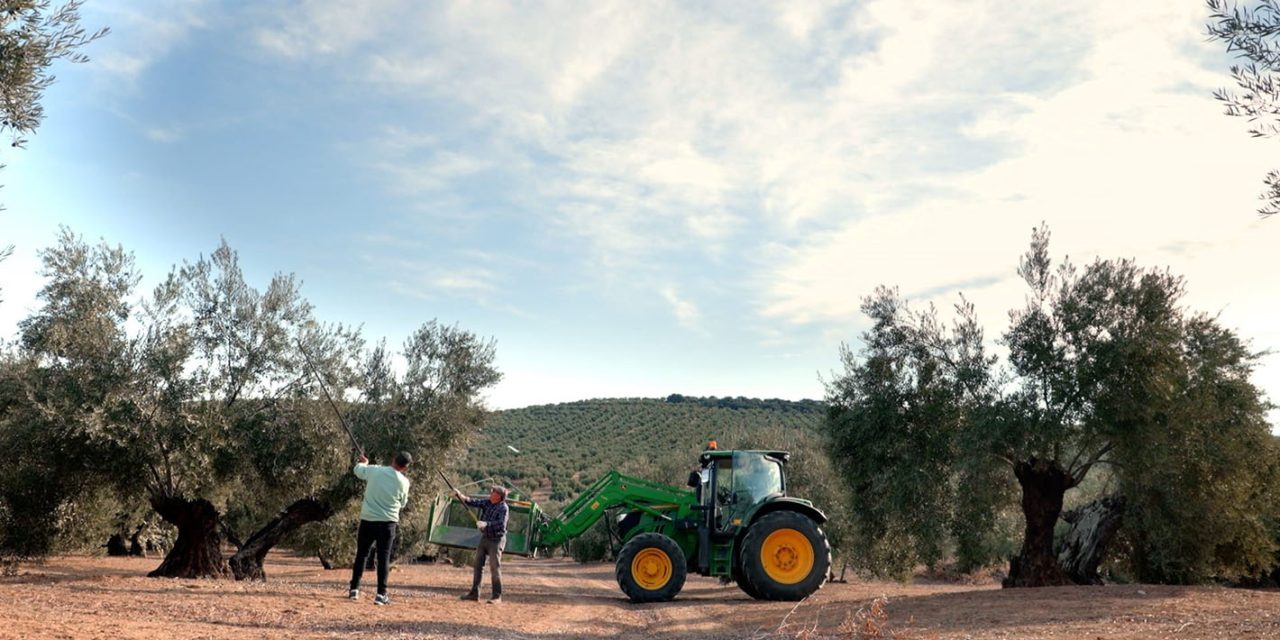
(98, 597)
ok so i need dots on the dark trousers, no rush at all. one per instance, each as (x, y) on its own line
(492, 550)
(382, 533)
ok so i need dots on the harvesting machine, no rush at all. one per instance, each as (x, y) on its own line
(736, 522)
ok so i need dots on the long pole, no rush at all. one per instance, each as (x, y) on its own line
(328, 397)
(455, 495)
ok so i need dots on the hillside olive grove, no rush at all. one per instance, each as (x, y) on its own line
(566, 447)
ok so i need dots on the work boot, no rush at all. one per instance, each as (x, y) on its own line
(473, 596)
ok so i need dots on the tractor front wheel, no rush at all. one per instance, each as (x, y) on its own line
(651, 568)
(785, 556)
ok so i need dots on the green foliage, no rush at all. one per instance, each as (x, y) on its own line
(1104, 367)
(200, 390)
(1204, 487)
(33, 35)
(898, 422)
(594, 545)
(1251, 30)
(430, 411)
(58, 391)
(334, 539)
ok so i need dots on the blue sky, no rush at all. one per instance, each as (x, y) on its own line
(637, 199)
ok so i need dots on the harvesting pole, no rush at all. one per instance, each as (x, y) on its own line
(455, 495)
(328, 397)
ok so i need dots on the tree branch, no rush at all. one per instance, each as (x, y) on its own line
(1079, 474)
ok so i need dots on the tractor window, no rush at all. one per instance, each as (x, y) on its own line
(756, 477)
(724, 481)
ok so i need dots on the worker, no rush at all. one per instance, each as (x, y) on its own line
(385, 493)
(493, 539)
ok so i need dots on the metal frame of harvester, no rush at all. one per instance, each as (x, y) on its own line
(737, 523)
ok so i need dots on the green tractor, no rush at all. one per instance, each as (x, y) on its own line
(736, 522)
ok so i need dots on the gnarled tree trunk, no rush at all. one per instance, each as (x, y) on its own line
(197, 553)
(1043, 485)
(1093, 526)
(116, 546)
(246, 564)
(135, 541)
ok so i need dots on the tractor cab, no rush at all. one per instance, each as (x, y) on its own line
(733, 484)
(751, 531)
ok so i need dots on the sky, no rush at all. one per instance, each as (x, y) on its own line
(635, 199)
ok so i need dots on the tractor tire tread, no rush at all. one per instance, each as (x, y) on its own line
(758, 583)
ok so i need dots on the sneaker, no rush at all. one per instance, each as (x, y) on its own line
(381, 599)
(494, 600)
(470, 596)
(353, 595)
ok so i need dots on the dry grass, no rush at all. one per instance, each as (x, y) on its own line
(868, 622)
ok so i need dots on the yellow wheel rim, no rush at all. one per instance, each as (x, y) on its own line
(651, 569)
(787, 556)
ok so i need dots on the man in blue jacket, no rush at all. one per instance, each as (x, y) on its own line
(493, 539)
(385, 493)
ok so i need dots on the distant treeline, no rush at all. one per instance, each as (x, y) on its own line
(740, 402)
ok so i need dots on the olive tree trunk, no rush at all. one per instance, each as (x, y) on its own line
(1043, 485)
(135, 542)
(246, 564)
(197, 553)
(1093, 527)
(116, 546)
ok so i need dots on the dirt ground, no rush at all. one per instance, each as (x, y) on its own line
(92, 597)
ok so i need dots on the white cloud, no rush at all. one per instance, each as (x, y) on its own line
(1125, 162)
(473, 277)
(141, 36)
(685, 311)
(319, 27)
(1131, 159)
(468, 281)
(164, 135)
(832, 146)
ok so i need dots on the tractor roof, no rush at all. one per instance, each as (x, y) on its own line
(715, 454)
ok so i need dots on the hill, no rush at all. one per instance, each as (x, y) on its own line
(564, 447)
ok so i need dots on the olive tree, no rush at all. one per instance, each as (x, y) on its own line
(429, 410)
(1104, 366)
(900, 422)
(1251, 31)
(196, 398)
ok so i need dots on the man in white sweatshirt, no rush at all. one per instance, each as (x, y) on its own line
(385, 494)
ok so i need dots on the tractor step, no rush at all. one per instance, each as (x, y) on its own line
(722, 559)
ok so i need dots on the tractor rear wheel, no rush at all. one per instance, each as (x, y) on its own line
(785, 556)
(744, 585)
(651, 568)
